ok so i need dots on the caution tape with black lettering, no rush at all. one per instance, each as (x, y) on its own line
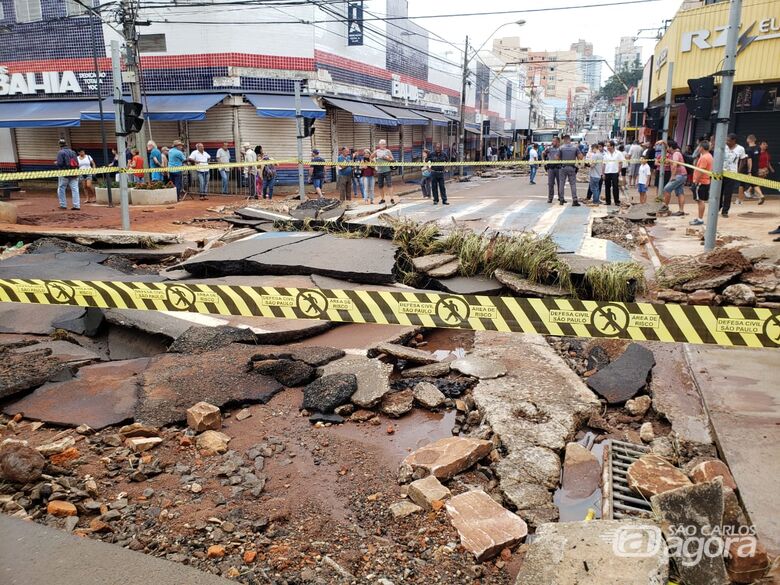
(729, 326)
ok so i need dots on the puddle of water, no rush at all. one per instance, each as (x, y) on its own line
(449, 340)
(576, 509)
(355, 336)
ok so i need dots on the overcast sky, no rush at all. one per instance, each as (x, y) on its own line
(550, 31)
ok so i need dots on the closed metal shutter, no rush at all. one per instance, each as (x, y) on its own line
(345, 129)
(393, 138)
(418, 140)
(322, 137)
(765, 126)
(362, 137)
(164, 133)
(37, 147)
(215, 129)
(88, 137)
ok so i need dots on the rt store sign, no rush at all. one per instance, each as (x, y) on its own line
(47, 82)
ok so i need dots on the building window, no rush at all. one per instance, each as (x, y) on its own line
(74, 8)
(27, 10)
(2, 14)
(551, 87)
(152, 43)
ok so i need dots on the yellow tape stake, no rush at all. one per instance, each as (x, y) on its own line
(730, 326)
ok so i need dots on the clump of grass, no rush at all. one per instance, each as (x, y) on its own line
(147, 243)
(617, 281)
(415, 239)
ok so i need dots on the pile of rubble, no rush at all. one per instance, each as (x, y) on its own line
(622, 231)
(744, 277)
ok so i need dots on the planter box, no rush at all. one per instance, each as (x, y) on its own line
(153, 196)
(101, 195)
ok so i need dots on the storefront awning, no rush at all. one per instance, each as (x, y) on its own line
(435, 117)
(364, 113)
(162, 108)
(405, 116)
(42, 114)
(283, 106)
(473, 128)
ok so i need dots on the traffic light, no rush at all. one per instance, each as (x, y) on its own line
(702, 91)
(308, 127)
(654, 118)
(485, 127)
(133, 117)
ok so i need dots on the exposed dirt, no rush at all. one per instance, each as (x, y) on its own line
(616, 229)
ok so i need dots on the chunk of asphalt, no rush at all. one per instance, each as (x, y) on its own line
(625, 376)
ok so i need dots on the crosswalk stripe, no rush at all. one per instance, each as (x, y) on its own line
(548, 219)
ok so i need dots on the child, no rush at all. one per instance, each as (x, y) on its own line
(642, 180)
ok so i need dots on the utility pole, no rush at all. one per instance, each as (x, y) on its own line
(464, 83)
(133, 61)
(724, 110)
(299, 126)
(667, 117)
(121, 144)
(99, 84)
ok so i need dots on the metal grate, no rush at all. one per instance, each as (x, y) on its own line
(618, 500)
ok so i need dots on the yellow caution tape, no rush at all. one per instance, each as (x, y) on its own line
(730, 326)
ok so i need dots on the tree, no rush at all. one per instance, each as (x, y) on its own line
(614, 87)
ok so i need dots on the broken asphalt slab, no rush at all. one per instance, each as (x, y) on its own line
(469, 285)
(526, 288)
(624, 376)
(43, 319)
(372, 378)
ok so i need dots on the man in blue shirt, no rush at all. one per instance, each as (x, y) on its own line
(155, 159)
(176, 158)
(344, 176)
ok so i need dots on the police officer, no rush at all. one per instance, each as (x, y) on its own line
(553, 153)
(568, 171)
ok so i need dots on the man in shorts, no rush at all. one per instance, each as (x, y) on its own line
(701, 180)
(384, 172)
(634, 156)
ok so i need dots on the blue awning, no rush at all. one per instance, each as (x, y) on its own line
(435, 117)
(364, 113)
(42, 114)
(283, 106)
(473, 128)
(161, 108)
(404, 116)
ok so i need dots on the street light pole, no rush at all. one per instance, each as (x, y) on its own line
(464, 83)
(724, 110)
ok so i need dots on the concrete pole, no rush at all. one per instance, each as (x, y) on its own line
(722, 128)
(667, 117)
(121, 145)
(464, 84)
(299, 125)
(134, 67)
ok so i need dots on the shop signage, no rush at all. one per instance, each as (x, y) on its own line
(355, 23)
(763, 30)
(47, 82)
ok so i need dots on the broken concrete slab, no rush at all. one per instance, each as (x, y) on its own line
(290, 373)
(402, 352)
(447, 270)
(699, 509)
(328, 392)
(155, 322)
(581, 472)
(82, 322)
(173, 382)
(428, 395)
(484, 526)
(424, 492)
(477, 367)
(579, 265)
(125, 343)
(63, 351)
(372, 378)
(24, 371)
(198, 339)
(642, 212)
(651, 475)
(711, 282)
(435, 370)
(583, 553)
(257, 213)
(404, 508)
(526, 288)
(397, 404)
(709, 470)
(34, 319)
(469, 285)
(537, 465)
(99, 396)
(309, 354)
(624, 376)
(428, 263)
(445, 458)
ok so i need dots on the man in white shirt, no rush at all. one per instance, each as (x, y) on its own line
(250, 172)
(613, 162)
(201, 159)
(734, 154)
(533, 158)
(634, 156)
(223, 157)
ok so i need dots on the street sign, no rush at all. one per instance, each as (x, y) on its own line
(355, 23)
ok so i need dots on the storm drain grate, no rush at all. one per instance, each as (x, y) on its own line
(620, 501)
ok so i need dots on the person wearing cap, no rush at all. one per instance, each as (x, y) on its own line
(250, 171)
(67, 160)
(317, 172)
(176, 159)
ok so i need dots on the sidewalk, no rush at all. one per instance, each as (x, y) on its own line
(70, 560)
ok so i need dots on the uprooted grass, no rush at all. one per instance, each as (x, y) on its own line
(616, 281)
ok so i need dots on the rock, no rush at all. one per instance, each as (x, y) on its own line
(326, 418)
(481, 368)
(56, 447)
(625, 376)
(445, 270)
(445, 458)
(404, 508)
(639, 406)
(20, 463)
(672, 296)
(141, 444)
(290, 373)
(424, 492)
(138, 430)
(699, 509)
(215, 551)
(710, 282)
(401, 352)
(243, 414)
(532, 465)
(398, 403)
(249, 556)
(328, 392)
(314, 356)
(651, 475)
(213, 442)
(581, 472)
(70, 523)
(584, 553)
(199, 339)
(664, 448)
(61, 509)
(372, 378)
(733, 516)
(646, 432)
(527, 288)
(362, 416)
(436, 370)
(747, 560)
(597, 358)
(485, 527)
(709, 470)
(739, 295)
(701, 297)
(428, 263)
(203, 417)
(428, 395)
(345, 410)
(64, 458)
(85, 430)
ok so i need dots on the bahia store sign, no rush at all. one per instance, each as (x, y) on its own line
(46, 82)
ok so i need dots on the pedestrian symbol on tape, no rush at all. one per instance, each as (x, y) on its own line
(452, 310)
(312, 303)
(610, 320)
(181, 297)
(61, 292)
(772, 328)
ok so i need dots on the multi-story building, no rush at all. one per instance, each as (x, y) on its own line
(219, 73)
(590, 64)
(627, 54)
